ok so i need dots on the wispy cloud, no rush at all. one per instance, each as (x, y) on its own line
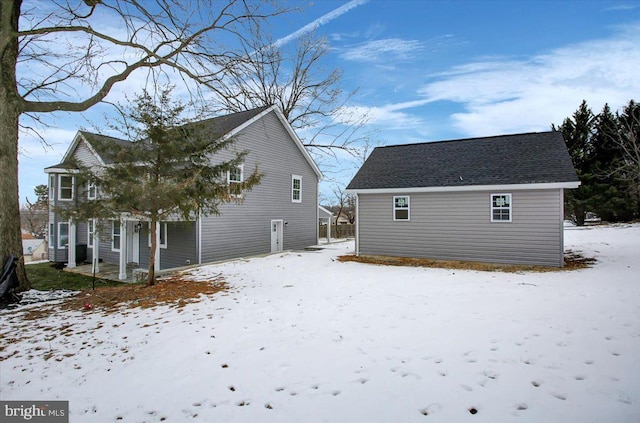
(383, 50)
(623, 7)
(322, 20)
(390, 116)
(500, 96)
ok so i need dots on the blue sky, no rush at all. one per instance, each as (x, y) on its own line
(434, 70)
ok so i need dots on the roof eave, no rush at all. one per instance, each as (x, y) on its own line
(503, 187)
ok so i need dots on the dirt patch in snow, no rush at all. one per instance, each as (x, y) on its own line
(175, 291)
(572, 261)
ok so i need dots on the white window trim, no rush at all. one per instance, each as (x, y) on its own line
(162, 245)
(52, 228)
(62, 247)
(73, 186)
(91, 231)
(501, 208)
(95, 190)
(408, 197)
(293, 178)
(115, 224)
(52, 192)
(229, 182)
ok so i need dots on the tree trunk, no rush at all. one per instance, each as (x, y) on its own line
(10, 109)
(151, 275)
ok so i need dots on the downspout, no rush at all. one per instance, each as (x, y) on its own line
(122, 274)
(71, 245)
(318, 212)
(199, 235)
(96, 248)
(357, 225)
(561, 227)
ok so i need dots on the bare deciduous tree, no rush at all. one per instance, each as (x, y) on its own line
(35, 216)
(308, 94)
(77, 51)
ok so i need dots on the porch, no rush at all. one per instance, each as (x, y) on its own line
(111, 271)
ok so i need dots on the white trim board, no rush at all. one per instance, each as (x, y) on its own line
(511, 187)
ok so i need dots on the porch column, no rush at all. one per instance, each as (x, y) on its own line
(123, 251)
(71, 246)
(156, 263)
(95, 268)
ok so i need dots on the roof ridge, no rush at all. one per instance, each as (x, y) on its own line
(468, 139)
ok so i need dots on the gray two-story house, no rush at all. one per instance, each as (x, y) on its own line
(279, 214)
(494, 199)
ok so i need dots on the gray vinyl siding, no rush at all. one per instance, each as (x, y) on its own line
(84, 155)
(181, 245)
(240, 229)
(245, 229)
(457, 226)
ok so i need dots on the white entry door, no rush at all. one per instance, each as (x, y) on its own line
(276, 236)
(133, 242)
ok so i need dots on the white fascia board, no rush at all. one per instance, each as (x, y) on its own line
(289, 129)
(76, 140)
(60, 170)
(239, 128)
(511, 187)
(327, 212)
(297, 141)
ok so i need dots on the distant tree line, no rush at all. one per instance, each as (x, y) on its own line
(605, 150)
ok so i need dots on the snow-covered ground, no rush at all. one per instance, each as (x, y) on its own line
(304, 338)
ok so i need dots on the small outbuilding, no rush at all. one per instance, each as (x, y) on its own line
(494, 199)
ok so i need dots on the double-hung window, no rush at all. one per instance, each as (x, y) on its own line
(235, 177)
(115, 235)
(63, 235)
(296, 189)
(501, 207)
(401, 207)
(92, 191)
(65, 187)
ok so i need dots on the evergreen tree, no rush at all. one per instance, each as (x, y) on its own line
(168, 171)
(578, 133)
(605, 151)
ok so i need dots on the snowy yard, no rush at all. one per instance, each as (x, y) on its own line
(304, 338)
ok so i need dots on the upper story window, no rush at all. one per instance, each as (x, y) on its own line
(235, 177)
(501, 207)
(401, 207)
(92, 191)
(296, 189)
(65, 187)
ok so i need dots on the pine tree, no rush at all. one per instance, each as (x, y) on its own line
(167, 171)
(578, 133)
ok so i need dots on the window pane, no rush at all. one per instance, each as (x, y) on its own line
(402, 214)
(402, 202)
(235, 175)
(66, 187)
(163, 234)
(296, 189)
(63, 234)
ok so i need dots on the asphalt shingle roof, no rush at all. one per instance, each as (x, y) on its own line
(217, 127)
(529, 158)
